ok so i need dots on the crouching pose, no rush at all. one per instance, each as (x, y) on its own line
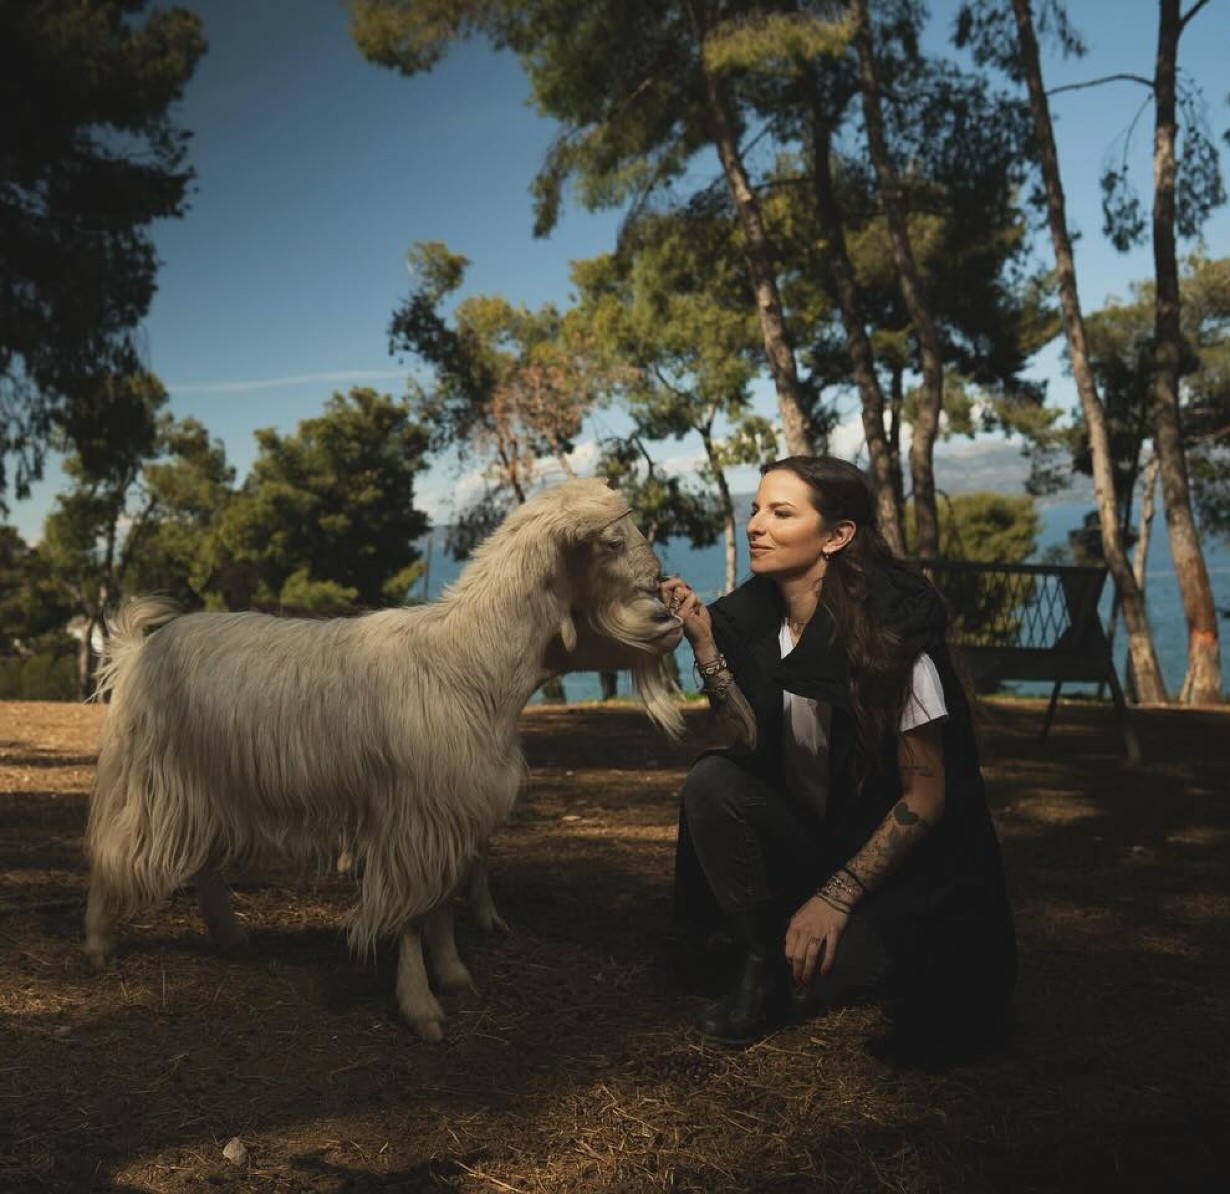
(844, 838)
(236, 738)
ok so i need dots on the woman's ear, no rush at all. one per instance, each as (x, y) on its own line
(840, 536)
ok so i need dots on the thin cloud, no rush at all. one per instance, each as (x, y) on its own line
(273, 383)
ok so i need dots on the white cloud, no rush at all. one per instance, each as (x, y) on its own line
(272, 383)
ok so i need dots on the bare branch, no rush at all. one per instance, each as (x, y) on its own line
(1121, 78)
(1191, 12)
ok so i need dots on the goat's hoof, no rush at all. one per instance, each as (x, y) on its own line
(99, 956)
(431, 1031)
(457, 982)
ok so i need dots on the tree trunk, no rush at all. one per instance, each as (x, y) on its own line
(728, 508)
(85, 661)
(1203, 683)
(1150, 685)
(759, 258)
(1144, 533)
(930, 398)
(896, 409)
(888, 511)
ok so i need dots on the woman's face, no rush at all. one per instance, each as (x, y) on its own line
(785, 532)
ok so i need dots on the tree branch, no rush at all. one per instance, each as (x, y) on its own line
(1195, 8)
(1121, 78)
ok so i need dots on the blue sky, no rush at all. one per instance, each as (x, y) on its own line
(316, 172)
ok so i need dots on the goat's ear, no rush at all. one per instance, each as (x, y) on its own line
(568, 633)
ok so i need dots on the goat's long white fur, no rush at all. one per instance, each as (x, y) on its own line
(239, 738)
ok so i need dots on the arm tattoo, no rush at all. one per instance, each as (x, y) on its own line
(923, 769)
(888, 846)
(733, 717)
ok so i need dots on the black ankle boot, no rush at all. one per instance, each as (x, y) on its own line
(759, 1002)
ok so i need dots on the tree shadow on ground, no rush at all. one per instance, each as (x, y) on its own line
(575, 1071)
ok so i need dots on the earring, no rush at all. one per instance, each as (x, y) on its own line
(825, 554)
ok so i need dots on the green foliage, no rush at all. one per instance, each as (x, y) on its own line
(89, 158)
(508, 386)
(329, 511)
(673, 304)
(299, 591)
(48, 674)
(622, 79)
(627, 83)
(776, 42)
(171, 545)
(966, 149)
(985, 526)
(1121, 342)
(1199, 187)
(665, 507)
(86, 549)
(412, 35)
(36, 656)
(988, 528)
(987, 29)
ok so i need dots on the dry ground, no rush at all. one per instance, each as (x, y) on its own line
(575, 1071)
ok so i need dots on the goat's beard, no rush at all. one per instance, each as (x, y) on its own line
(639, 624)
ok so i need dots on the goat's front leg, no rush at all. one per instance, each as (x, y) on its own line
(446, 965)
(483, 906)
(100, 921)
(418, 1005)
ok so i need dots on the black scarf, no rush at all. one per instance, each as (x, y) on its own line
(901, 602)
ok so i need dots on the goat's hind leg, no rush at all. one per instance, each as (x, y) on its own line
(447, 968)
(418, 1005)
(481, 903)
(214, 900)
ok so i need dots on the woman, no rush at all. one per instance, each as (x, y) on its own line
(844, 838)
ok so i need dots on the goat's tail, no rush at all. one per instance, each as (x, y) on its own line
(125, 632)
(126, 838)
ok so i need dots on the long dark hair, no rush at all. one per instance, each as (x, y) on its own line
(880, 663)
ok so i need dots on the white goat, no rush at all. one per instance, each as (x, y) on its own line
(236, 738)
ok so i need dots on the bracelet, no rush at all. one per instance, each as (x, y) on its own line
(834, 903)
(836, 887)
(712, 669)
(845, 870)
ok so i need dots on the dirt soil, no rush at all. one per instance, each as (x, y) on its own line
(574, 1070)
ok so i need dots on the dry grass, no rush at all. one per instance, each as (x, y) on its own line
(575, 1071)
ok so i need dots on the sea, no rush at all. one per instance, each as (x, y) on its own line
(704, 569)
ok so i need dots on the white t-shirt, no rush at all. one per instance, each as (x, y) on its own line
(805, 740)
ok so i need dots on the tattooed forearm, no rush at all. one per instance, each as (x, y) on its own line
(888, 846)
(732, 715)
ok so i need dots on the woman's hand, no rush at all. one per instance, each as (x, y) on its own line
(814, 932)
(680, 599)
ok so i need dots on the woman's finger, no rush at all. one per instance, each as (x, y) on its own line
(815, 949)
(830, 953)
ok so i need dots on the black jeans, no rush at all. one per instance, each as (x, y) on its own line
(758, 850)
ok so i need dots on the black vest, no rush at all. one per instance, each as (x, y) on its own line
(946, 906)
